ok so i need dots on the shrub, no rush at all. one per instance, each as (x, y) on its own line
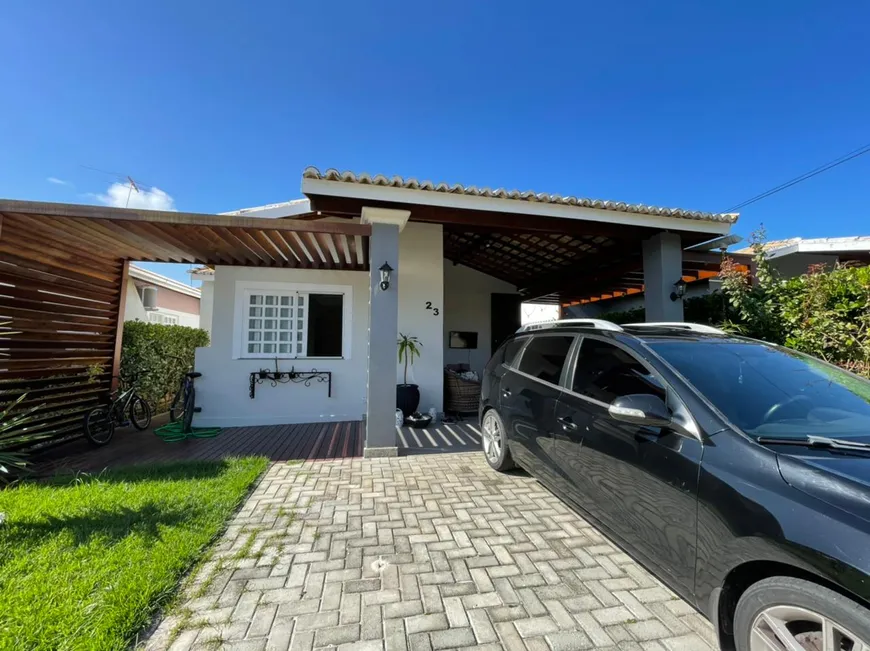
(157, 356)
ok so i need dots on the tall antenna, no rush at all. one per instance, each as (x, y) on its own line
(133, 186)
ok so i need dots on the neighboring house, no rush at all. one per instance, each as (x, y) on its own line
(793, 257)
(155, 298)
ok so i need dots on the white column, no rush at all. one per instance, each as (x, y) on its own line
(662, 267)
(383, 331)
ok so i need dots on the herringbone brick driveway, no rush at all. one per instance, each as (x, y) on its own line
(421, 552)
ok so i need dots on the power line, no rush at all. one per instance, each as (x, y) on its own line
(803, 177)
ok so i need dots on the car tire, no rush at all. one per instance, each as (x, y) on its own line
(494, 442)
(783, 606)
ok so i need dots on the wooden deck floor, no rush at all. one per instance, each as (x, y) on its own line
(277, 442)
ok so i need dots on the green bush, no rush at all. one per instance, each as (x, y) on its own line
(157, 356)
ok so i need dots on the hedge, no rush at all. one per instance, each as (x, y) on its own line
(157, 356)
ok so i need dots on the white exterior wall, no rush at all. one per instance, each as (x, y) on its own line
(206, 305)
(222, 391)
(467, 307)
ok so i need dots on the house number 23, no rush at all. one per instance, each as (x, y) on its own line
(435, 311)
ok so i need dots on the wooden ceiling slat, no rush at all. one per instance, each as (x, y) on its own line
(345, 248)
(289, 250)
(122, 242)
(238, 246)
(253, 246)
(328, 248)
(211, 241)
(296, 238)
(357, 244)
(15, 266)
(269, 246)
(314, 245)
(49, 242)
(224, 221)
(162, 244)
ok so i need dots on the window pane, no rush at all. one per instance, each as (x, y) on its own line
(269, 324)
(270, 300)
(255, 335)
(324, 325)
(255, 311)
(253, 348)
(512, 348)
(772, 391)
(268, 336)
(545, 356)
(256, 299)
(300, 301)
(269, 311)
(606, 372)
(284, 324)
(268, 348)
(285, 300)
(298, 349)
(283, 336)
(285, 312)
(284, 348)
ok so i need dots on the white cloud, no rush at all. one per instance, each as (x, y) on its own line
(57, 181)
(119, 195)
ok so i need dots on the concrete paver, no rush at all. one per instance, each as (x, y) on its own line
(420, 552)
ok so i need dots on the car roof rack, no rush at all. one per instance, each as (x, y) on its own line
(679, 325)
(599, 324)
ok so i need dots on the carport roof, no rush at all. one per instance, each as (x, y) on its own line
(379, 180)
(89, 236)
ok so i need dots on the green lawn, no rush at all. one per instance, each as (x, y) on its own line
(85, 563)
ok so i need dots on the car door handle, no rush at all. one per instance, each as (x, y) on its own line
(567, 424)
(506, 393)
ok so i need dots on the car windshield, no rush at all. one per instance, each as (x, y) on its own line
(771, 391)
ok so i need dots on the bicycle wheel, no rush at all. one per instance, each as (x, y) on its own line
(187, 421)
(140, 413)
(99, 426)
(176, 409)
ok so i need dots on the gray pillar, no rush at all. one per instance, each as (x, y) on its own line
(383, 333)
(662, 267)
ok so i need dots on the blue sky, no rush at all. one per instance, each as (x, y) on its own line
(222, 105)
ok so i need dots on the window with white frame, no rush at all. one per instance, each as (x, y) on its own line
(165, 319)
(292, 324)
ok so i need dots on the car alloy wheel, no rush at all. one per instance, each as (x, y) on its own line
(492, 438)
(789, 628)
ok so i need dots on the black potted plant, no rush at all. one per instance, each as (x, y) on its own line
(408, 395)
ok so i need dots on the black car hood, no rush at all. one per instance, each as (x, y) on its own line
(841, 480)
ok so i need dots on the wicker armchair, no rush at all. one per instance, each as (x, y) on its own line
(460, 395)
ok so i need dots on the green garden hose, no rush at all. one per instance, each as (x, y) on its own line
(172, 432)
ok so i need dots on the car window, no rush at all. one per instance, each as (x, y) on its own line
(770, 391)
(511, 349)
(545, 356)
(606, 372)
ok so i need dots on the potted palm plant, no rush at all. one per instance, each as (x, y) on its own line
(408, 395)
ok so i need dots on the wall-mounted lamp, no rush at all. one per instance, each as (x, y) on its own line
(679, 290)
(386, 271)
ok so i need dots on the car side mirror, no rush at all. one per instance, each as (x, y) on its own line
(640, 409)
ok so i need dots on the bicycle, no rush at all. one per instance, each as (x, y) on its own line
(183, 403)
(125, 407)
